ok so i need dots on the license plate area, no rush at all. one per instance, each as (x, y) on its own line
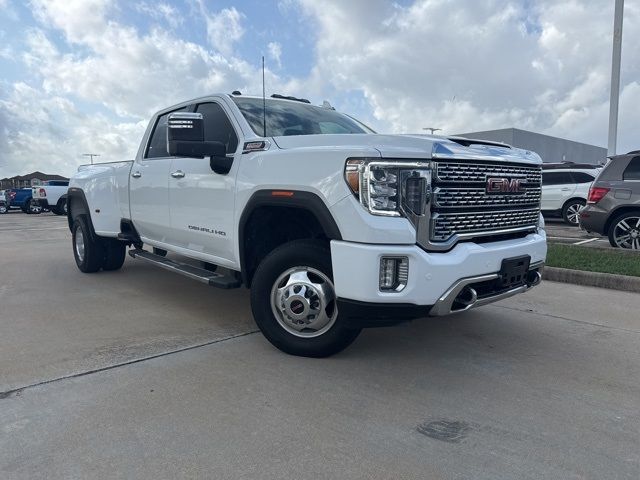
(513, 272)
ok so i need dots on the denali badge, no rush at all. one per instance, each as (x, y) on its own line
(505, 185)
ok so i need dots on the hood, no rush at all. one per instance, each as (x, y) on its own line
(414, 146)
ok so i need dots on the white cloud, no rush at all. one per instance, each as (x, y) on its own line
(275, 52)
(161, 11)
(224, 28)
(466, 65)
(460, 65)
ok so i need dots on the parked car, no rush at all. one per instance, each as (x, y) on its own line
(613, 206)
(22, 198)
(565, 187)
(5, 201)
(332, 232)
(52, 195)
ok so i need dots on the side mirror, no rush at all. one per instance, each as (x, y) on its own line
(185, 138)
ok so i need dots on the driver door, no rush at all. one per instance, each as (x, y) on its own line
(201, 202)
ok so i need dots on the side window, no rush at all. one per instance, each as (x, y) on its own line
(581, 177)
(217, 127)
(158, 145)
(632, 172)
(556, 178)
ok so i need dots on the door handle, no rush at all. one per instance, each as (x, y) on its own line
(177, 174)
(565, 189)
(136, 174)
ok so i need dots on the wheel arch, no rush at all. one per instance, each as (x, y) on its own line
(617, 212)
(295, 209)
(77, 206)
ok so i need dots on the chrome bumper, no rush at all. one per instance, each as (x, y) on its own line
(461, 296)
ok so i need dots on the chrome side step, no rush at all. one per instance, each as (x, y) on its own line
(200, 274)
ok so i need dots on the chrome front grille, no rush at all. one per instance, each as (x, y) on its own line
(453, 197)
(444, 226)
(462, 209)
(463, 172)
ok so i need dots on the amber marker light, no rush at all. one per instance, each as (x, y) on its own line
(282, 193)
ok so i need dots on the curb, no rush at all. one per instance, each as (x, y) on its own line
(592, 279)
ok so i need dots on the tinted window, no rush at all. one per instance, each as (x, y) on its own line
(295, 118)
(581, 177)
(556, 178)
(632, 172)
(217, 127)
(158, 145)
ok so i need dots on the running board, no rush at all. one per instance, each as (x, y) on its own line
(205, 276)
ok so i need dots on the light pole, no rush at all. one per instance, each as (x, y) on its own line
(431, 129)
(615, 77)
(90, 155)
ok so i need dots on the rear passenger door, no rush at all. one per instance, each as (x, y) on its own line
(202, 201)
(557, 188)
(149, 183)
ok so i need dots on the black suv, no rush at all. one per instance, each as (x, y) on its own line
(613, 205)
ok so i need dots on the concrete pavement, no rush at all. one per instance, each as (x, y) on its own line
(544, 385)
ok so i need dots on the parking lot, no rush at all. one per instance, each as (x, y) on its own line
(558, 231)
(141, 373)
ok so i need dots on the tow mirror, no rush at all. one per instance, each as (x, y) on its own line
(185, 138)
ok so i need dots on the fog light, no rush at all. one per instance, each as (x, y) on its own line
(394, 273)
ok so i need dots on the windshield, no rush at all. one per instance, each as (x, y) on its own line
(295, 118)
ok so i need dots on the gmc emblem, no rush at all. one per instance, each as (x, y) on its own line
(505, 185)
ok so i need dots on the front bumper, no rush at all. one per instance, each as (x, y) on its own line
(433, 276)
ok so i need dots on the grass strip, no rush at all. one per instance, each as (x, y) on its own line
(618, 262)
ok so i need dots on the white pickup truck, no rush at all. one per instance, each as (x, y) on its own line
(332, 226)
(51, 195)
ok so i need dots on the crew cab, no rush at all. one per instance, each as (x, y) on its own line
(52, 195)
(332, 226)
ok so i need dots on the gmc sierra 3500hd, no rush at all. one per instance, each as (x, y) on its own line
(332, 226)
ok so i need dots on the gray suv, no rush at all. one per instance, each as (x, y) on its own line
(613, 204)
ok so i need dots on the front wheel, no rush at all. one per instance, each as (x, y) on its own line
(624, 231)
(571, 211)
(3, 208)
(294, 302)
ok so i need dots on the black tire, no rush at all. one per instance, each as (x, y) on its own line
(33, 207)
(3, 209)
(90, 257)
(570, 211)
(114, 254)
(631, 219)
(61, 207)
(311, 254)
(160, 252)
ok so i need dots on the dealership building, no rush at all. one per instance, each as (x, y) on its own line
(551, 149)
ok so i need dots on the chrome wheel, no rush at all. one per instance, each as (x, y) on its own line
(303, 300)
(3, 209)
(626, 233)
(34, 207)
(573, 213)
(79, 244)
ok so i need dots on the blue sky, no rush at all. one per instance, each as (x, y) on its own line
(85, 75)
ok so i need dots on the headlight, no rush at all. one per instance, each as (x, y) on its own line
(389, 188)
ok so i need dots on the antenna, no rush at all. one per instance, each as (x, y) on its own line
(264, 104)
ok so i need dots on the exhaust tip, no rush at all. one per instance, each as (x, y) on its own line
(534, 278)
(467, 297)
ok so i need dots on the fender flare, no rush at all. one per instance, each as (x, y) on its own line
(298, 199)
(79, 197)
